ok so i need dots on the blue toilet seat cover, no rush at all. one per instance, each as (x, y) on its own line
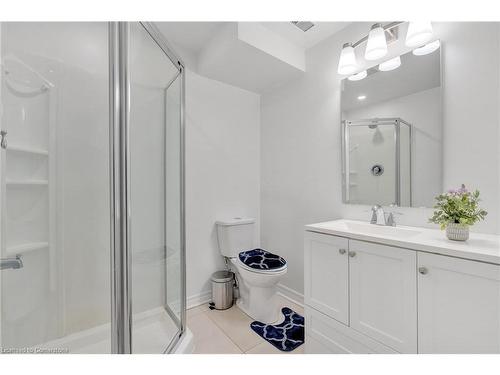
(261, 260)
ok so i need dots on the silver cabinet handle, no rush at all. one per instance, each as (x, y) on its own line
(11, 263)
(352, 254)
(342, 251)
(423, 270)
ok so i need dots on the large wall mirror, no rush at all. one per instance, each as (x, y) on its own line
(392, 133)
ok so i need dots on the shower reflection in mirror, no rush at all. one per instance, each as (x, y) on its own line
(392, 134)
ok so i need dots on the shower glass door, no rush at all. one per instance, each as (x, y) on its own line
(377, 157)
(371, 171)
(54, 183)
(57, 220)
(155, 193)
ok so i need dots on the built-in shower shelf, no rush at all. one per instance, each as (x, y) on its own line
(27, 183)
(26, 248)
(29, 150)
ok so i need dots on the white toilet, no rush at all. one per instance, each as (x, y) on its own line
(257, 271)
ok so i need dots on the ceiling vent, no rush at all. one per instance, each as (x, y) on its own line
(303, 25)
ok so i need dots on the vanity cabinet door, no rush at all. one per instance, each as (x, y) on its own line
(326, 275)
(383, 294)
(458, 305)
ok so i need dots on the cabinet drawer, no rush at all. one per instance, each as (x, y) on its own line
(326, 275)
(330, 336)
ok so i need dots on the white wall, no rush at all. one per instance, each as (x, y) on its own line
(471, 119)
(222, 170)
(300, 139)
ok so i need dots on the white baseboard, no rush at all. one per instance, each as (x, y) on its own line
(291, 294)
(198, 299)
(284, 291)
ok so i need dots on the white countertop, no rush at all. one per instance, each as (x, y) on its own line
(480, 247)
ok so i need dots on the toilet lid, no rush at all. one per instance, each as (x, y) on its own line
(263, 260)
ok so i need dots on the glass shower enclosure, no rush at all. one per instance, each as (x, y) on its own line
(377, 161)
(91, 189)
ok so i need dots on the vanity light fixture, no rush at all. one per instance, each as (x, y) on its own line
(347, 62)
(391, 64)
(358, 76)
(428, 48)
(376, 46)
(362, 97)
(419, 33)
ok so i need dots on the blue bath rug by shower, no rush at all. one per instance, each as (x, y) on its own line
(285, 336)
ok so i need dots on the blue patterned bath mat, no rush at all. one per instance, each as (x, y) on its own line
(285, 336)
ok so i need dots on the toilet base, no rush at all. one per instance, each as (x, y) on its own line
(261, 307)
(258, 293)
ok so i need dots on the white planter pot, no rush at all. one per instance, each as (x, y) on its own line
(457, 232)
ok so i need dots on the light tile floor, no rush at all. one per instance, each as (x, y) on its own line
(229, 332)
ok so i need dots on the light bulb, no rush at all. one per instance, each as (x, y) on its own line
(390, 64)
(358, 76)
(428, 48)
(347, 61)
(419, 33)
(376, 47)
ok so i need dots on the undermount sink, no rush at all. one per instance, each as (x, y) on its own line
(379, 230)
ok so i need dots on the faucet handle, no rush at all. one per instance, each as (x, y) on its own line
(390, 220)
(375, 208)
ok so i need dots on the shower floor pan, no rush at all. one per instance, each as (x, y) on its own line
(152, 332)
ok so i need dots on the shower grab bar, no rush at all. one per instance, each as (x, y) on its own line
(11, 263)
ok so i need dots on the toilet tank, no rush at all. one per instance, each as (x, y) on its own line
(235, 235)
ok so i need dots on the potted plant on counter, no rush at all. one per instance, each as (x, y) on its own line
(456, 210)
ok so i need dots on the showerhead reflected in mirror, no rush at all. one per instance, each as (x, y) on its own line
(392, 122)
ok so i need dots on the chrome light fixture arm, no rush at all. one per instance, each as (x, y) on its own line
(387, 28)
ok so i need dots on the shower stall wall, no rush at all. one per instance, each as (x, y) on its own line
(91, 186)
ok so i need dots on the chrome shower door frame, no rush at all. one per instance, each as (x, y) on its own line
(119, 90)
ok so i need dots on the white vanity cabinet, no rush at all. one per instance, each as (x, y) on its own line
(368, 287)
(458, 305)
(367, 297)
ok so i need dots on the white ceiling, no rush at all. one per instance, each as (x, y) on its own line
(191, 36)
(236, 53)
(317, 33)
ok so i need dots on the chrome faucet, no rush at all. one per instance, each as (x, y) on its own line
(379, 217)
